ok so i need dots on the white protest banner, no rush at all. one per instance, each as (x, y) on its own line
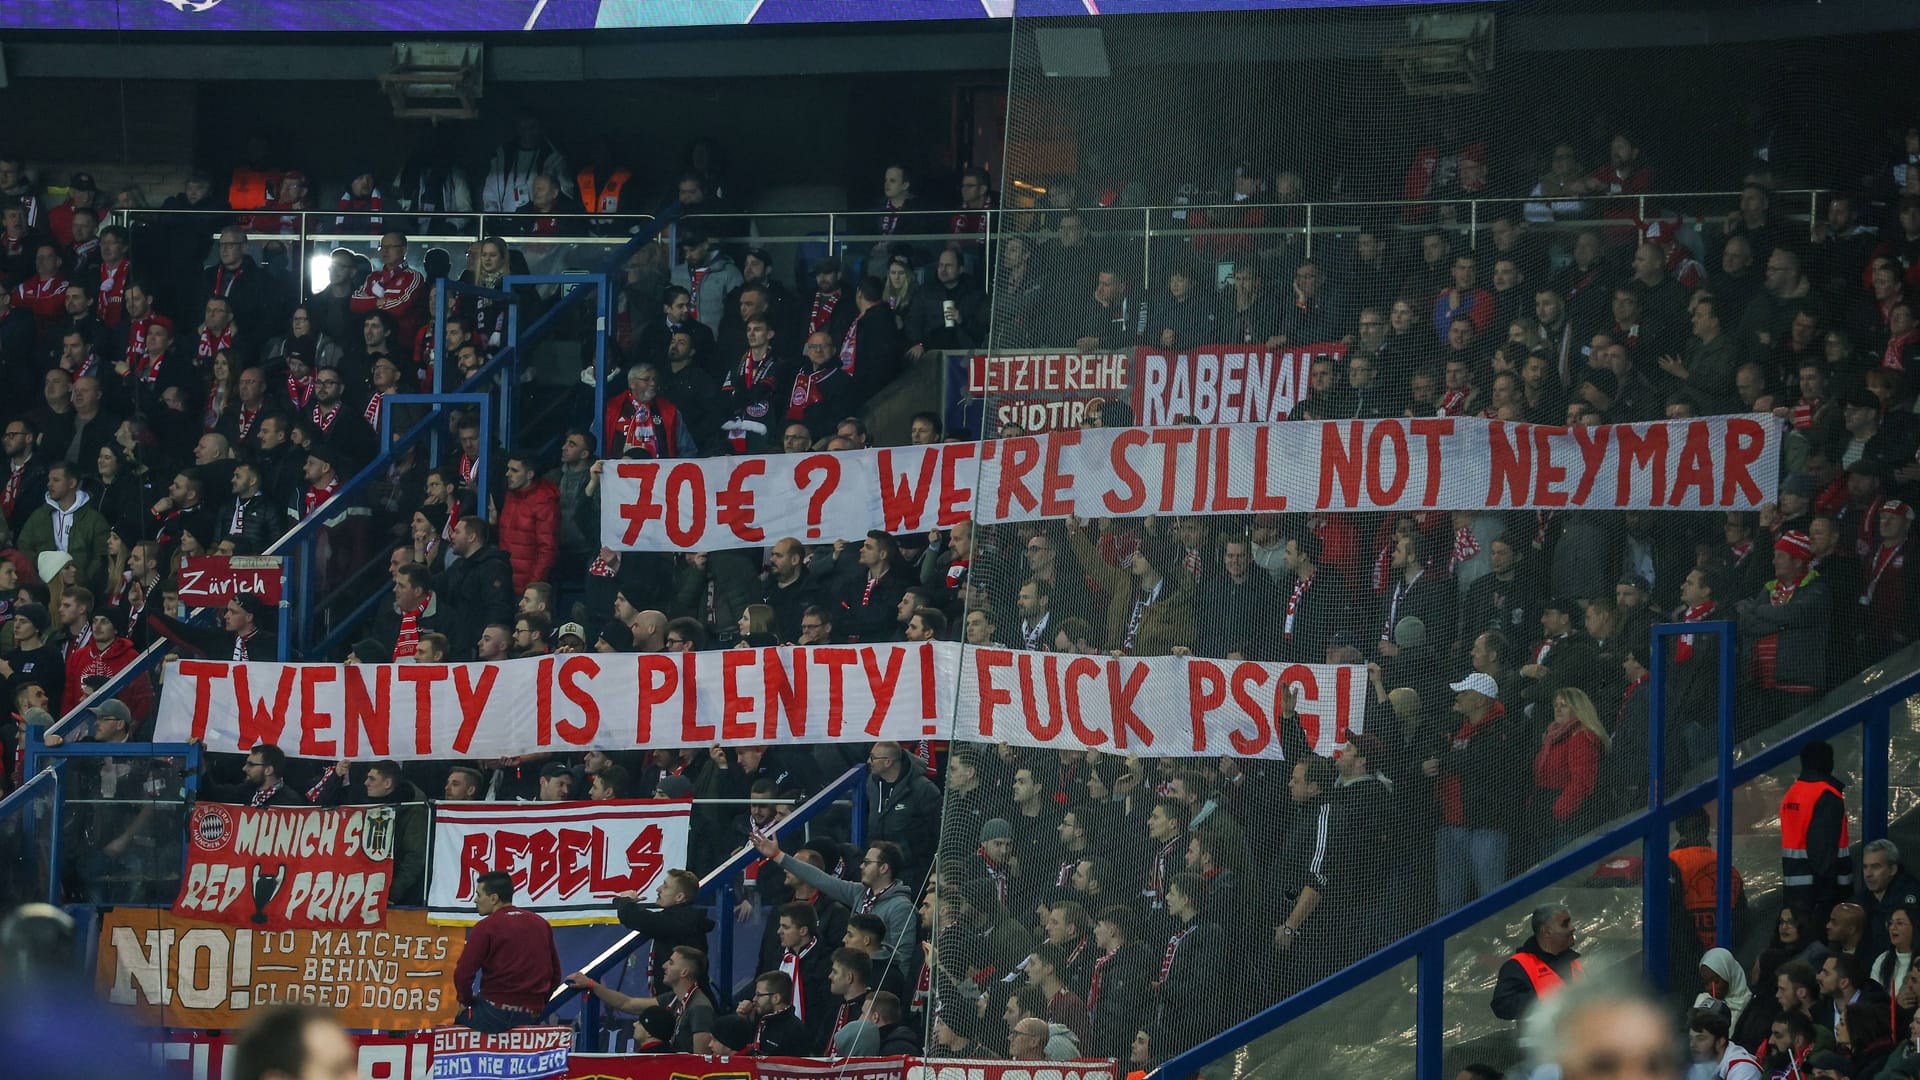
(1431, 463)
(1151, 706)
(567, 859)
(1222, 384)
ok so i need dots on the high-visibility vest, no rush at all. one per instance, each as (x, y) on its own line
(595, 200)
(1545, 980)
(1697, 871)
(1796, 816)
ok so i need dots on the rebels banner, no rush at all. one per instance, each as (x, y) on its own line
(1167, 706)
(1431, 463)
(527, 1053)
(567, 859)
(286, 866)
(1223, 384)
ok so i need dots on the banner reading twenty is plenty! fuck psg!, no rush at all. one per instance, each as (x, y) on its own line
(1164, 706)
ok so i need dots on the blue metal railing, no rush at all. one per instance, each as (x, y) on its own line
(717, 888)
(22, 804)
(1650, 827)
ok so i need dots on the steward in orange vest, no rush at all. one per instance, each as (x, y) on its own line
(1542, 966)
(1816, 857)
(1694, 873)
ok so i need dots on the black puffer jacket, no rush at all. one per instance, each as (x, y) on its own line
(668, 928)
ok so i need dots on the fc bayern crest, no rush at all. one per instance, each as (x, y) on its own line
(191, 7)
(212, 824)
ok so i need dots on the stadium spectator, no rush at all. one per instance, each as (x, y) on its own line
(879, 891)
(684, 971)
(1539, 968)
(673, 920)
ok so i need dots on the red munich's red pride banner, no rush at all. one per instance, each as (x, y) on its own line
(1161, 706)
(288, 867)
(212, 580)
(567, 859)
(1223, 384)
(1427, 463)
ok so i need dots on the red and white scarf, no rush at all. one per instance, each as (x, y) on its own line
(790, 963)
(300, 391)
(821, 313)
(316, 497)
(371, 414)
(1465, 546)
(408, 641)
(211, 343)
(1683, 649)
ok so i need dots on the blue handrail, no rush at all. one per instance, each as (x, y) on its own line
(1650, 827)
(717, 886)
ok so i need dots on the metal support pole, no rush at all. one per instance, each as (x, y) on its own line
(1874, 737)
(1430, 984)
(722, 970)
(1473, 225)
(1309, 241)
(439, 335)
(1723, 818)
(860, 813)
(1653, 854)
(55, 842)
(283, 646)
(602, 326)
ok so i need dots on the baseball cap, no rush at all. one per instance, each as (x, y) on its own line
(574, 630)
(1859, 399)
(115, 708)
(1479, 682)
(82, 182)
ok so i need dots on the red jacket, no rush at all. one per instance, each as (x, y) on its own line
(91, 660)
(530, 531)
(402, 294)
(1568, 767)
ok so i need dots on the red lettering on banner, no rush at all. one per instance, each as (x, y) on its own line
(202, 672)
(835, 661)
(572, 670)
(1169, 440)
(826, 466)
(260, 722)
(956, 495)
(1247, 678)
(422, 676)
(1593, 454)
(473, 862)
(510, 848)
(313, 722)
(1642, 451)
(686, 476)
(1021, 455)
(735, 703)
(658, 679)
(1054, 481)
(991, 696)
(1384, 432)
(1432, 429)
(1746, 439)
(642, 509)
(1120, 692)
(735, 501)
(643, 859)
(691, 730)
(1264, 502)
(1509, 464)
(1224, 503)
(1309, 691)
(1339, 462)
(929, 710)
(1081, 669)
(543, 703)
(1545, 472)
(368, 715)
(1202, 466)
(882, 684)
(786, 694)
(1126, 474)
(1041, 724)
(575, 873)
(1342, 690)
(1695, 468)
(473, 699)
(1206, 691)
(902, 502)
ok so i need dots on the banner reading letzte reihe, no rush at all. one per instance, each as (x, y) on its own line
(1432, 463)
(1166, 706)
